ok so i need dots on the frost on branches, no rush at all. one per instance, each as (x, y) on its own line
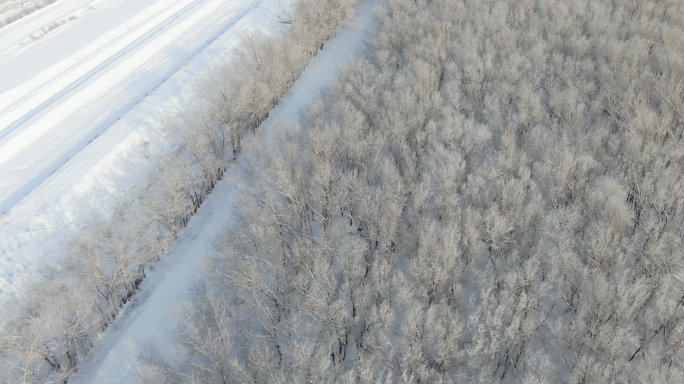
(489, 192)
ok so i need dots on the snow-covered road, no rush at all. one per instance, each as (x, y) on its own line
(83, 88)
(66, 87)
(114, 363)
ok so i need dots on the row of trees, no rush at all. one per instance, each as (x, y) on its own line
(490, 191)
(13, 10)
(49, 330)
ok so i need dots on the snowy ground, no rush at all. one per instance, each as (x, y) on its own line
(150, 320)
(83, 86)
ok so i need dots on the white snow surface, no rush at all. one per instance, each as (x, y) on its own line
(150, 315)
(83, 87)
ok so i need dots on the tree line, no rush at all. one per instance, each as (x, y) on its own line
(48, 331)
(490, 191)
(13, 10)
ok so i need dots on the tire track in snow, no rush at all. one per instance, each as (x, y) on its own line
(101, 67)
(113, 116)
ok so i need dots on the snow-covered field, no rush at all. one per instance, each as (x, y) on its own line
(83, 87)
(151, 319)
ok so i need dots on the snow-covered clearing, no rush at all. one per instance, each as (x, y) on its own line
(83, 87)
(159, 293)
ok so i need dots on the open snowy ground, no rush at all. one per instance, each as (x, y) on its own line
(83, 86)
(149, 316)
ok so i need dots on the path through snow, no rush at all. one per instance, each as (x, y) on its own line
(80, 108)
(114, 363)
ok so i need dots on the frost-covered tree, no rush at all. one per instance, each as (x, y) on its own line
(488, 192)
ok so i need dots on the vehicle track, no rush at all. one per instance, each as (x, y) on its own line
(113, 115)
(98, 69)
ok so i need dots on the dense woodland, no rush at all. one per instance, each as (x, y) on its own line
(491, 191)
(47, 333)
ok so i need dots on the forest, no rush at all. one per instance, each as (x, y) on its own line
(48, 332)
(490, 191)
